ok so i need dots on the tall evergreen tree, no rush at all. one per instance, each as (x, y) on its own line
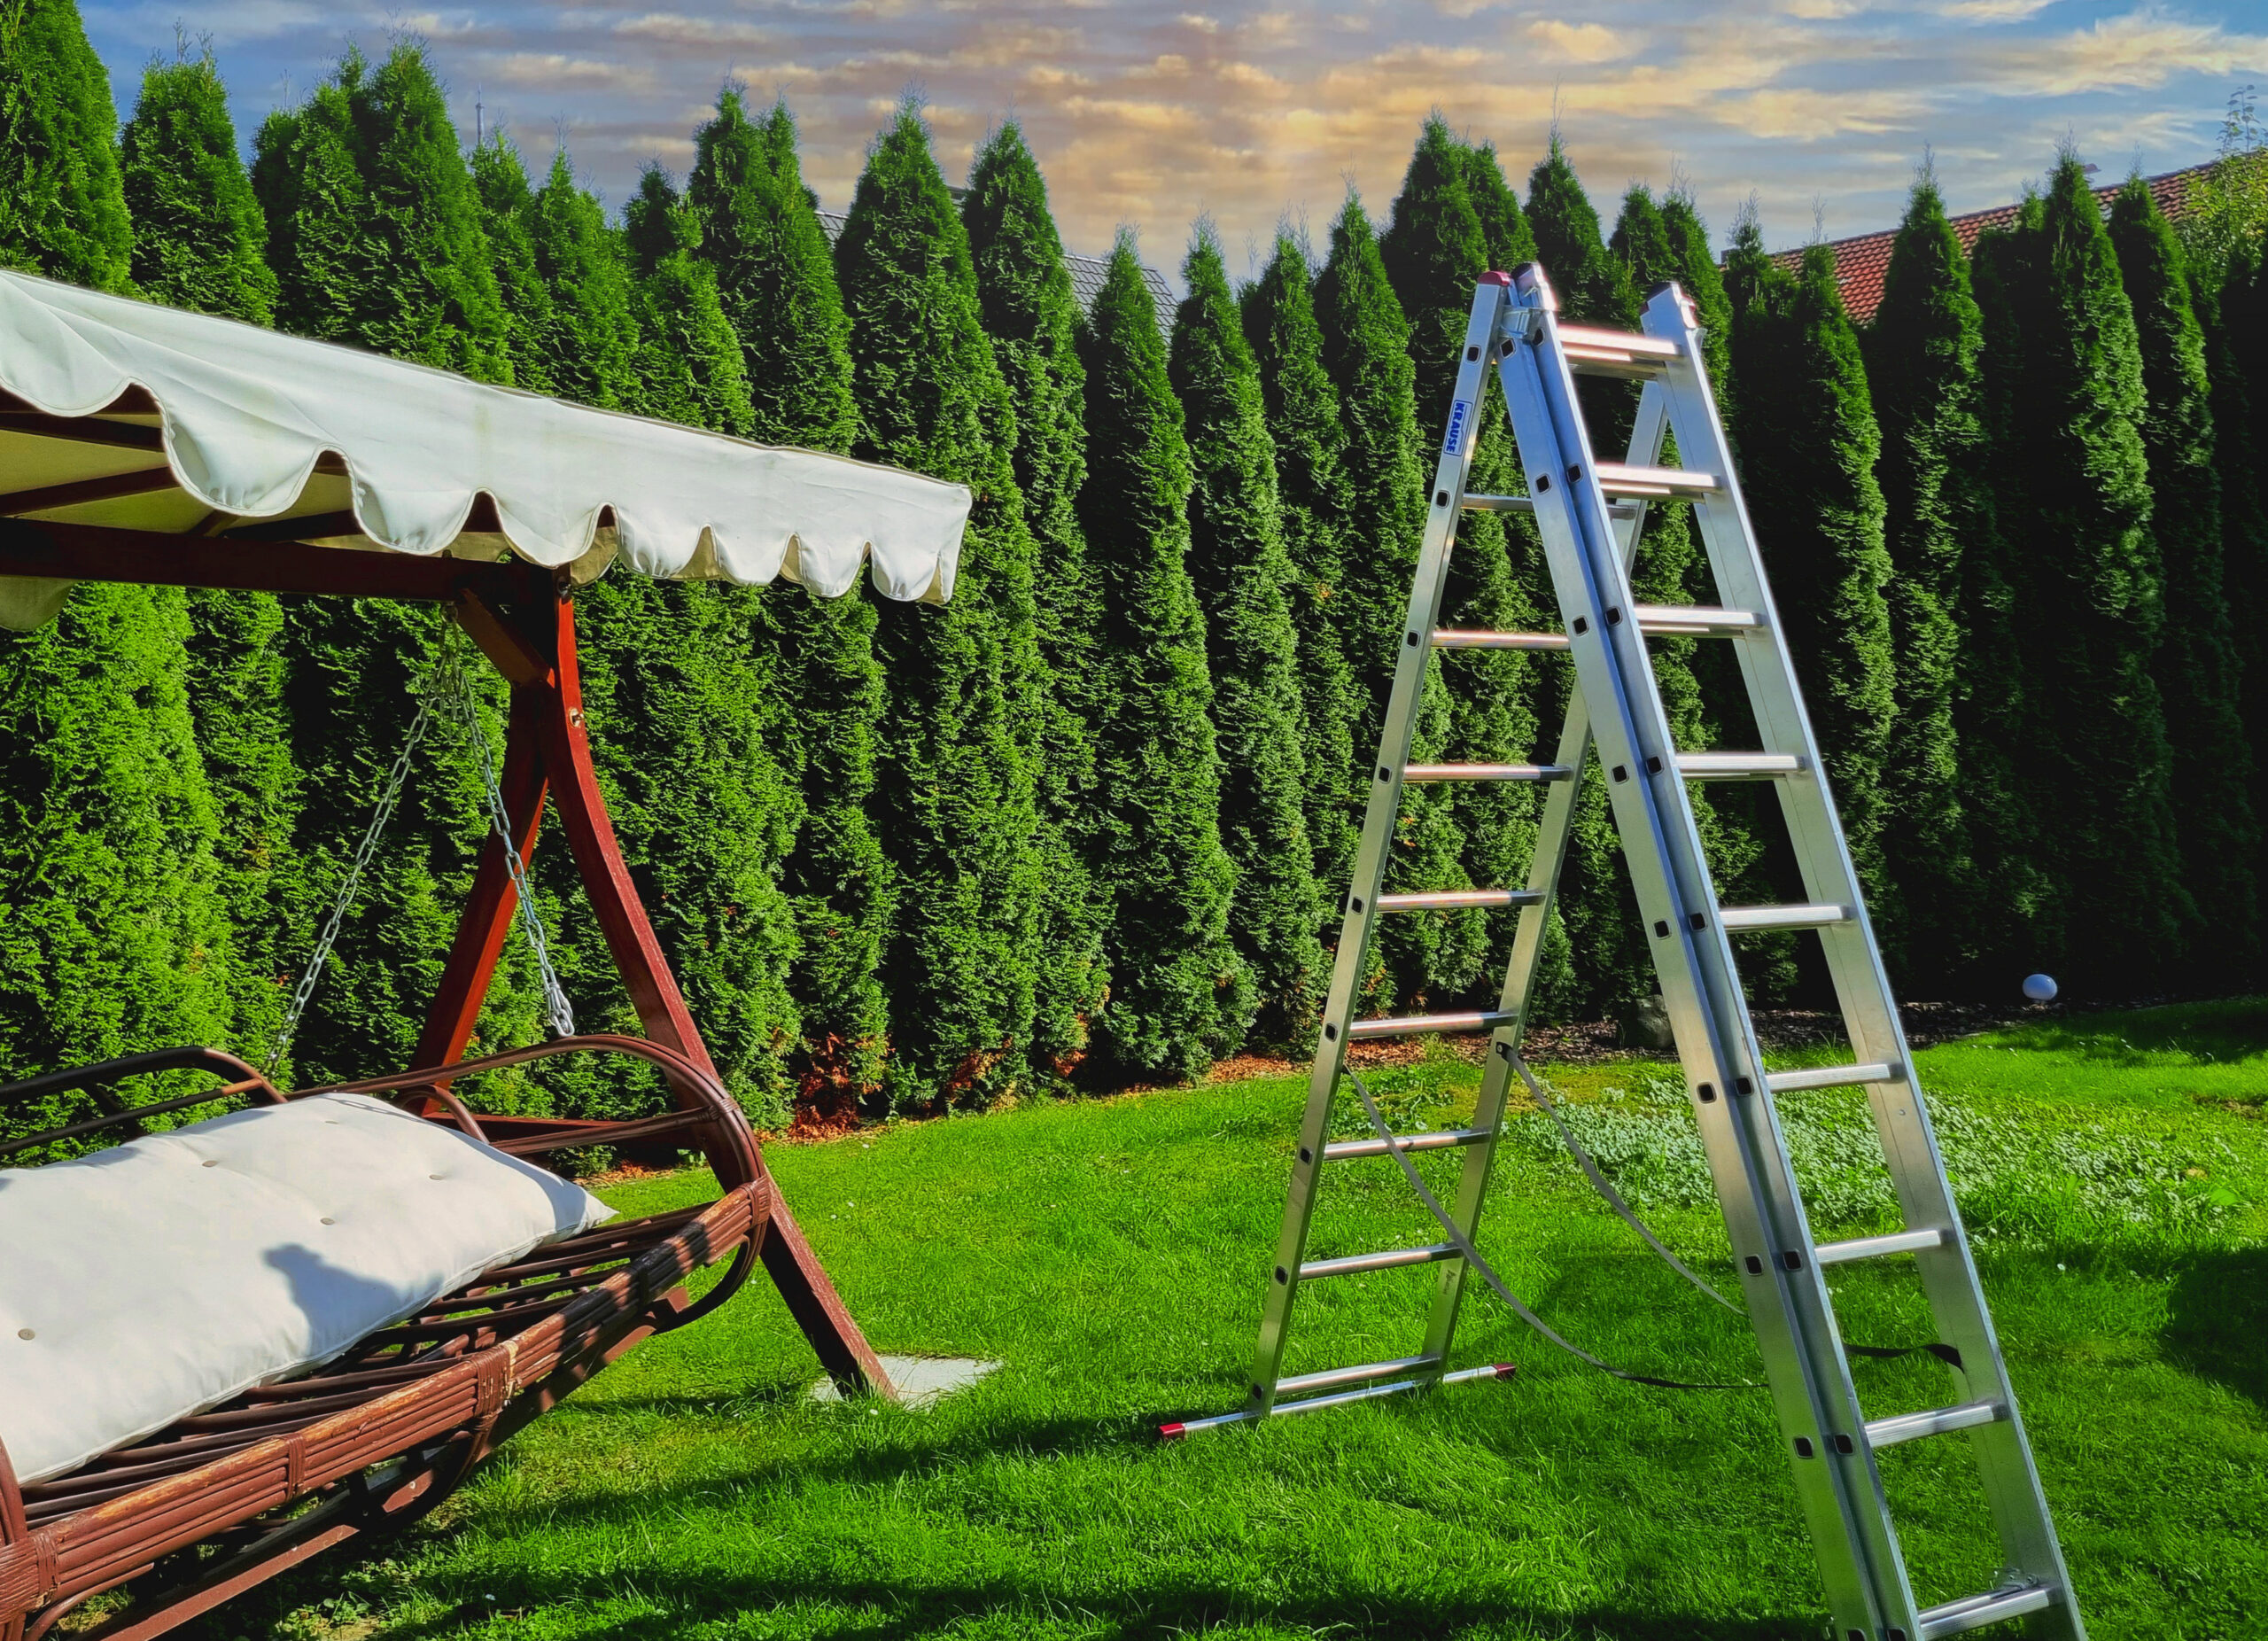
(1031, 314)
(1693, 265)
(956, 804)
(593, 312)
(760, 231)
(2236, 326)
(2063, 383)
(199, 239)
(822, 651)
(373, 224)
(1181, 995)
(1809, 442)
(1315, 500)
(508, 221)
(1244, 579)
(2198, 673)
(114, 936)
(691, 366)
(1366, 349)
(1434, 254)
(62, 211)
(1947, 782)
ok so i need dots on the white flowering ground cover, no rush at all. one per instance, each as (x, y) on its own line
(1111, 1254)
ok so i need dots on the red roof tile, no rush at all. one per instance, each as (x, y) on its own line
(1861, 262)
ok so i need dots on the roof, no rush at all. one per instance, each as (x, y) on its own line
(1861, 262)
(1087, 274)
(128, 414)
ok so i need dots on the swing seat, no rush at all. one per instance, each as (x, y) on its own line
(227, 1345)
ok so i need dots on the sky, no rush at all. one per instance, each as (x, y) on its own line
(1147, 116)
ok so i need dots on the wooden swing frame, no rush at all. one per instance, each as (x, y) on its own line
(221, 1501)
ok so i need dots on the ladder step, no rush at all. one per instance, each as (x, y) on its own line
(1477, 502)
(1458, 899)
(1410, 1025)
(1450, 638)
(1692, 620)
(1831, 1077)
(1637, 344)
(1909, 1426)
(1341, 1150)
(1486, 772)
(1876, 1247)
(1755, 918)
(1738, 765)
(1622, 478)
(1331, 1378)
(1975, 1612)
(1391, 1259)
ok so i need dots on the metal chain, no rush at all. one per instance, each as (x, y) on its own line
(456, 699)
(353, 882)
(445, 687)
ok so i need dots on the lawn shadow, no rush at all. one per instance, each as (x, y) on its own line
(2219, 1317)
(2231, 1029)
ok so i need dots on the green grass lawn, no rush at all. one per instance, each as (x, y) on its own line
(1112, 1255)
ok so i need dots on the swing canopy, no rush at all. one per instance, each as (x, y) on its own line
(128, 415)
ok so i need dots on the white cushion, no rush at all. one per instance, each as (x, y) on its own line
(166, 1275)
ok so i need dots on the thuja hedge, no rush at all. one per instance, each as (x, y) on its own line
(1094, 819)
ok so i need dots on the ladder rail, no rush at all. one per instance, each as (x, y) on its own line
(1901, 1118)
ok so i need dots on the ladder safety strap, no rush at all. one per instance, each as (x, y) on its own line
(1598, 1179)
(1464, 1245)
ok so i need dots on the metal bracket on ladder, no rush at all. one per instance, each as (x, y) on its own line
(1589, 515)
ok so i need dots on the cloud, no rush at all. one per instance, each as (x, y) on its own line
(1992, 10)
(2143, 48)
(1578, 42)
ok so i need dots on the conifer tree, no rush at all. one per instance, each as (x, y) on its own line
(2197, 669)
(199, 243)
(760, 230)
(1315, 501)
(114, 936)
(2063, 383)
(821, 652)
(1180, 994)
(373, 224)
(691, 366)
(507, 218)
(1434, 254)
(2236, 326)
(1243, 579)
(955, 802)
(62, 211)
(592, 309)
(1693, 265)
(1366, 349)
(199, 239)
(1031, 315)
(1958, 843)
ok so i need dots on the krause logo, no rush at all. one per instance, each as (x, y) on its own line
(1457, 428)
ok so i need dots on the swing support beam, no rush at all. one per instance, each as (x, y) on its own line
(522, 618)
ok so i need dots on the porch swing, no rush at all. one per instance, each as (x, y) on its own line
(227, 1345)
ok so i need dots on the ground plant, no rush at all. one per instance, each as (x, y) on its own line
(1109, 1254)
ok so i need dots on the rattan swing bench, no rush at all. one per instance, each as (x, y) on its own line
(138, 443)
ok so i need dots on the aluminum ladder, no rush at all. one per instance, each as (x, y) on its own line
(1589, 515)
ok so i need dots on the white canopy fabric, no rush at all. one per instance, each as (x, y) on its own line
(246, 414)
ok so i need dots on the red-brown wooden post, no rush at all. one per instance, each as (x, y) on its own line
(533, 645)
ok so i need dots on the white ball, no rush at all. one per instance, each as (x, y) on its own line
(2039, 988)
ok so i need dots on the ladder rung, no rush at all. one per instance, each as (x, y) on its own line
(1876, 1247)
(1341, 1150)
(1622, 478)
(1909, 1426)
(1450, 638)
(1315, 1405)
(1477, 502)
(1738, 765)
(1975, 1612)
(1756, 918)
(1410, 1025)
(1486, 772)
(1458, 899)
(1831, 1077)
(1692, 620)
(1393, 1258)
(1331, 1378)
(1637, 344)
